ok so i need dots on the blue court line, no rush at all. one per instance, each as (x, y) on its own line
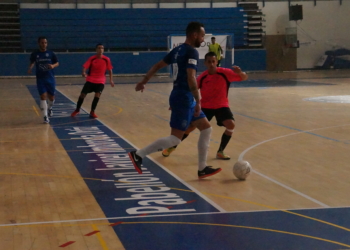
(163, 235)
(299, 130)
(104, 156)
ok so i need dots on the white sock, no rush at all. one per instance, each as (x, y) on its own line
(159, 145)
(50, 103)
(203, 146)
(43, 107)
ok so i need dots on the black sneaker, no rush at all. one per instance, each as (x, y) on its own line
(46, 120)
(49, 112)
(136, 160)
(208, 171)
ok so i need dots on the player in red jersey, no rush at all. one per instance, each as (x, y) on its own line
(214, 84)
(95, 79)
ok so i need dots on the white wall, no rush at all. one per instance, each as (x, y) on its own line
(324, 27)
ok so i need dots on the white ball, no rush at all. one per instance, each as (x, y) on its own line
(242, 169)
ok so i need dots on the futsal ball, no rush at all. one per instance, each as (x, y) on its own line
(242, 169)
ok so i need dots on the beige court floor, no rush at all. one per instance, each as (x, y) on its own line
(299, 151)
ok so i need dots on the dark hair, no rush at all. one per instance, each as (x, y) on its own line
(41, 38)
(209, 54)
(99, 44)
(193, 27)
(213, 37)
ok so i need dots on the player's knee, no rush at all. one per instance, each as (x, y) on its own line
(203, 124)
(190, 129)
(43, 96)
(229, 125)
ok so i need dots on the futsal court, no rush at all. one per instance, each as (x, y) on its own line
(70, 184)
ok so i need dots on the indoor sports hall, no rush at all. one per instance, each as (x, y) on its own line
(70, 184)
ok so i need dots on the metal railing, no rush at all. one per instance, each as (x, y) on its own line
(131, 2)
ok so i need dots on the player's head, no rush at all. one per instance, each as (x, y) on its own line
(42, 41)
(210, 61)
(99, 48)
(213, 40)
(195, 33)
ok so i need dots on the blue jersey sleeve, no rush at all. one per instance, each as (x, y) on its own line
(193, 58)
(168, 58)
(54, 58)
(32, 57)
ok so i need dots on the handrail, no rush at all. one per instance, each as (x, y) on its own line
(133, 2)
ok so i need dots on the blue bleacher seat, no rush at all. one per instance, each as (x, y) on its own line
(124, 28)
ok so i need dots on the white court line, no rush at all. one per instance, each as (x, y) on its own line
(277, 182)
(96, 219)
(159, 215)
(110, 218)
(41, 125)
(165, 169)
(19, 99)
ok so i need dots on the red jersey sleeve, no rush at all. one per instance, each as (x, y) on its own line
(109, 64)
(231, 75)
(87, 64)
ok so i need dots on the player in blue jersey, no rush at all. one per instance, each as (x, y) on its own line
(184, 101)
(45, 61)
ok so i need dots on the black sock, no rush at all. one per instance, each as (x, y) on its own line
(224, 140)
(80, 102)
(94, 103)
(183, 138)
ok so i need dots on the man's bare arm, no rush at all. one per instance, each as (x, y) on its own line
(149, 74)
(238, 71)
(192, 83)
(31, 65)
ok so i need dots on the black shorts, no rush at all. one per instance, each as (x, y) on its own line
(92, 87)
(220, 114)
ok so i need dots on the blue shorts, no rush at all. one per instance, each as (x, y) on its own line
(46, 85)
(181, 118)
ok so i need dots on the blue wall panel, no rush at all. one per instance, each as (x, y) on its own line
(71, 63)
(250, 59)
(123, 62)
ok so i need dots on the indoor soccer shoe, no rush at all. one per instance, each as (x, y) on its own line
(208, 171)
(46, 119)
(49, 112)
(93, 115)
(167, 152)
(221, 155)
(136, 161)
(75, 112)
